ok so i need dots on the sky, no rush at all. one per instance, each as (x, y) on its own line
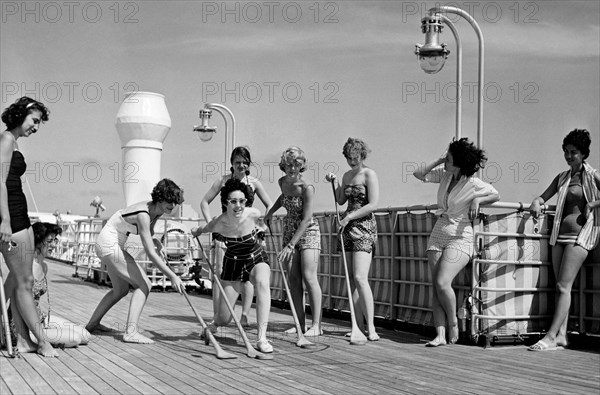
(304, 73)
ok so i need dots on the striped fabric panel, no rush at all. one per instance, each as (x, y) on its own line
(500, 276)
(416, 292)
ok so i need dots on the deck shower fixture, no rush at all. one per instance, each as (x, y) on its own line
(433, 55)
(205, 131)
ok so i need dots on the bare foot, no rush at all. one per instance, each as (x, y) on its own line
(136, 337)
(46, 350)
(244, 321)
(25, 347)
(453, 333)
(561, 341)
(314, 331)
(373, 337)
(438, 341)
(98, 328)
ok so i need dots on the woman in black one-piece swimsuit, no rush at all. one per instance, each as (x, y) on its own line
(22, 119)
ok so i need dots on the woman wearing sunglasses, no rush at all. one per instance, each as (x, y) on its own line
(244, 260)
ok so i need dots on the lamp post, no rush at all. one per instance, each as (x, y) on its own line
(432, 56)
(205, 131)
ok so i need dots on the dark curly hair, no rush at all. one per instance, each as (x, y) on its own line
(355, 146)
(466, 156)
(233, 185)
(15, 114)
(580, 139)
(41, 230)
(167, 191)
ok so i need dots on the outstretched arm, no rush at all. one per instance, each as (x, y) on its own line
(145, 232)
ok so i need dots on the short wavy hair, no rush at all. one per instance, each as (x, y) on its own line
(466, 156)
(580, 139)
(167, 191)
(41, 231)
(293, 154)
(15, 114)
(354, 147)
(232, 185)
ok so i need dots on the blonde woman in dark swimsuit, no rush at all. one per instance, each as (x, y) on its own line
(575, 231)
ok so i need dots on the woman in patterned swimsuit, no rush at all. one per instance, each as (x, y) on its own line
(57, 330)
(240, 169)
(450, 245)
(244, 258)
(22, 119)
(301, 237)
(575, 231)
(360, 188)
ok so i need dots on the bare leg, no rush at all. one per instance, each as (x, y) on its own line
(261, 278)
(310, 265)
(451, 262)
(361, 263)
(247, 296)
(358, 312)
(120, 288)
(439, 317)
(297, 288)
(141, 285)
(218, 254)
(20, 262)
(570, 258)
(232, 290)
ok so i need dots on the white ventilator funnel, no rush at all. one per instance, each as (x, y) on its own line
(143, 123)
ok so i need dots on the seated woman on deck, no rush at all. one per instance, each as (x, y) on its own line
(139, 218)
(244, 258)
(57, 330)
(450, 245)
(575, 231)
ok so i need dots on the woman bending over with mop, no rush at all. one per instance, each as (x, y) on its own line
(139, 218)
(244, 258)
(360, 188)
(301, 237)
(450, 245)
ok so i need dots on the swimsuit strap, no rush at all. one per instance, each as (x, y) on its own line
(135, 213)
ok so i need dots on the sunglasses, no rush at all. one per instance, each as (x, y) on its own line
(237, 201)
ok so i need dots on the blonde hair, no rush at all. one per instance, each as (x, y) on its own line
(293, 154)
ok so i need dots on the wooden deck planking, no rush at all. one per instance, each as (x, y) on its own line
(180, 362)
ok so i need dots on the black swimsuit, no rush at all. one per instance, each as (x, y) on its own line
(17, 203)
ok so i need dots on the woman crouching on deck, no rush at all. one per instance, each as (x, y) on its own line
(244, 258)
(57, 330)
(450, 245)
(139, 218)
